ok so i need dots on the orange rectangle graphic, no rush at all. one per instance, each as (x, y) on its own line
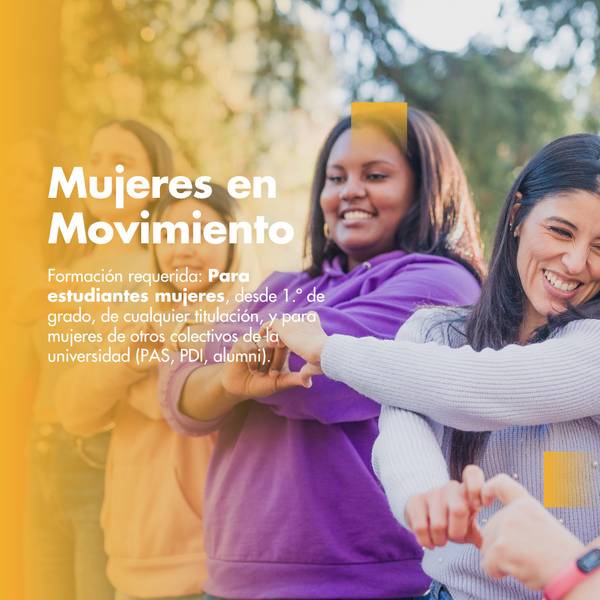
(569, 479)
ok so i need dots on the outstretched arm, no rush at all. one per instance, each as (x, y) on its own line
(549, 382)
(196, 398)
(380, 312)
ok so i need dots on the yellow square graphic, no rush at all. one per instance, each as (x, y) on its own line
(568, 479)
(394, 115)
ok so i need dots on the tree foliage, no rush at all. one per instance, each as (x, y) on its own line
(239, 62)
(581, 18)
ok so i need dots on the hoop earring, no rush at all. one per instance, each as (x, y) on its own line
(326, 231)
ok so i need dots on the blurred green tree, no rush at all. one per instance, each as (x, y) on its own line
(498, 108)
(239, 62)
(577, 18)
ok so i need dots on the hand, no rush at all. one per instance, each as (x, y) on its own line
(523, 539)
(448, 513)
(259, 371)
(306, 338)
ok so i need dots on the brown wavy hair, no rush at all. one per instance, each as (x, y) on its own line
(441, 220)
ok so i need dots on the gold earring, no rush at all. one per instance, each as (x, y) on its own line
(326, 231)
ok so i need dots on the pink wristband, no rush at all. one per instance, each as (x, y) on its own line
(570, 577)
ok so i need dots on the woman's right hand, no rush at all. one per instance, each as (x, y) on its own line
(448, 513)
(258, 371)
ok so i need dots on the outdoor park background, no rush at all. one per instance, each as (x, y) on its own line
(252, 87)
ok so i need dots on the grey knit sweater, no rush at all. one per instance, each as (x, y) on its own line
(536, 398)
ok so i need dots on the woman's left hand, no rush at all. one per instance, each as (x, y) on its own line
(523, 539)
(305, 337)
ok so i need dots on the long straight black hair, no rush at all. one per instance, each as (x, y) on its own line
(441, 219)
(567, 164)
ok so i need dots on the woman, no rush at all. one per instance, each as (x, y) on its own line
(64, 542)
(152, 512)
(389, 230)
(489, 393)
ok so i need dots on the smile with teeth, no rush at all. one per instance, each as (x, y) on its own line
(356, 214)
(560, 284)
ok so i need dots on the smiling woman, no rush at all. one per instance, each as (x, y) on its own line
(154, 480)
(374, 192)
(380, 210)
(508, 384)
(559, 254)
(369, 187)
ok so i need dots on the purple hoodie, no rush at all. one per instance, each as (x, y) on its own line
(292, 506)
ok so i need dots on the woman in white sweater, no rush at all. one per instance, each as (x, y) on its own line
(498, 384)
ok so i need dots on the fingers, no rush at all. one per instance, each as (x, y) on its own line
(502, 488)
(438, 516)
(255, 357)
(475, 535)
(442, 515)
(303, 377)
(417, 519)
(459, 514)
(264, 357)
(494, 549)
(308, 371)
(490, 533)
(473, 479)
(267, 326)
(278, 359)
(464, 502)
(289, 380)
(271, 330)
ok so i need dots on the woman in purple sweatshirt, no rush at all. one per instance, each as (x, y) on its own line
(292, 507)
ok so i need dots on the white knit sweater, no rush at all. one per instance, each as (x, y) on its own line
(536, 398)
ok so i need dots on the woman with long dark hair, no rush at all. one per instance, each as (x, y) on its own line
(292, 506)
(501, 383)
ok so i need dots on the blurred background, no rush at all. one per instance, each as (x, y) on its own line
(252, 86)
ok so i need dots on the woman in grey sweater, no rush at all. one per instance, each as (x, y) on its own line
(500, 384)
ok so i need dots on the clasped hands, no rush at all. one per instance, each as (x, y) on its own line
(260, 367)
(522, 539)
(257, 366)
